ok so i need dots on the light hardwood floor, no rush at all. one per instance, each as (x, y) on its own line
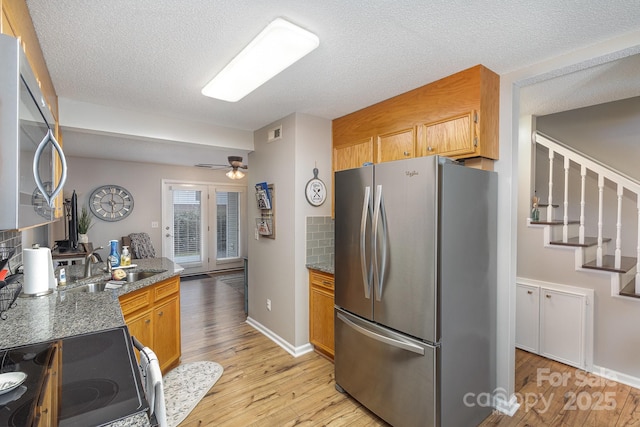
(262, 385)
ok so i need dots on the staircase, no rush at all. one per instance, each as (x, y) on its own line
(591, 252)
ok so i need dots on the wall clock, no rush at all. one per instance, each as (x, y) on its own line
(315, 190)
(111, 202)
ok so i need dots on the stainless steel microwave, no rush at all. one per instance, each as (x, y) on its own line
(28, 147)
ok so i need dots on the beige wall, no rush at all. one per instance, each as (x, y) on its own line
(143, 180)
(277, 266)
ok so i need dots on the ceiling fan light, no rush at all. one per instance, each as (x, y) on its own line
(278, 46)
(235, 174)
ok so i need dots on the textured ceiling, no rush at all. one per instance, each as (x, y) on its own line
(154, 56)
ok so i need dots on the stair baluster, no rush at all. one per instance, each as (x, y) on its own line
(637, 285)
(600, 215)
(618, 251)
(583, 179)
(565, 218)
(550, 205)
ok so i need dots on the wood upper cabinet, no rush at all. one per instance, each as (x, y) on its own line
(321, 298)
(396, 145)
(353, 155)
(452, 137)
(456, 116)
(152, 315)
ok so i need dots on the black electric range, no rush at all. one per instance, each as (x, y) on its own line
(99, 382)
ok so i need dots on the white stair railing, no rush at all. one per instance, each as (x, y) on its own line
(603, 173)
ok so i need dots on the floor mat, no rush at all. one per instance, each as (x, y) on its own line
(186, 385)
(236, 281)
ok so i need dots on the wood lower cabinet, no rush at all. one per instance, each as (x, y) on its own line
(321, 297)
(152, 315)
(45, 413)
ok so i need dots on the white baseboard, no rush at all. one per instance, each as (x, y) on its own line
(618, 377)
(504, 405)
(292, 350)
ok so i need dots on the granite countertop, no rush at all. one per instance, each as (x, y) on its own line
(325, 267)
(62, 313)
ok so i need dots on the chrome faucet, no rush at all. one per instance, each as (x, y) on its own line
(88, 261)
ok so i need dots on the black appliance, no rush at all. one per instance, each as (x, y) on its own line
(99, 383)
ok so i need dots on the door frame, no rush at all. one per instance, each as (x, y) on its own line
(210, 223)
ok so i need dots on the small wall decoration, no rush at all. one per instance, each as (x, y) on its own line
(111, 203)
(315, 191)
(265, 198)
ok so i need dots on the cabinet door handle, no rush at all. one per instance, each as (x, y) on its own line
(406, 153)
(548, 296)
(147, 321)
(324, 282)
(529, 292)
(161, 313)
(429, 148)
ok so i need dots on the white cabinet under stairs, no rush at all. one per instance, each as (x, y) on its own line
(555, 321)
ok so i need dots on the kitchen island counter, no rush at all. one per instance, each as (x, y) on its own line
(65, 313)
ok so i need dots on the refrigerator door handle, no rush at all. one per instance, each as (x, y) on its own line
(379, 213)
(366, 273)
(387, 340)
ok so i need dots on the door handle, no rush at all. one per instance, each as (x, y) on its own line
(49, 198)
(366, 272)
(379, 215)
(381, 338)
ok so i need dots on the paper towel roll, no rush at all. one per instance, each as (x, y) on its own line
(38, 272)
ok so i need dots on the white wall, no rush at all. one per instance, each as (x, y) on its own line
(143, 180)
(277, 266)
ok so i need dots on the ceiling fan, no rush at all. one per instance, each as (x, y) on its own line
(235, 163)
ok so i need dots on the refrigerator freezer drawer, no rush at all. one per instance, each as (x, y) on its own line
(391, 374)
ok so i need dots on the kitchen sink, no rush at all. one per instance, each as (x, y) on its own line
(89, 287)
(134, 276)
(100, 286)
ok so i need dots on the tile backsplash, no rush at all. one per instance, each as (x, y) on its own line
(12, 239)
(320, 240)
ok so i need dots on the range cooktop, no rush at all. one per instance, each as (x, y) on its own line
(97, 383)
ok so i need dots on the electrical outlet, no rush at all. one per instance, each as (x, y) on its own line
(268, 304)
(257, 235)
(154, 224)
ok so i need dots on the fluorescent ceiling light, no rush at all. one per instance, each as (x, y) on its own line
(279, 45)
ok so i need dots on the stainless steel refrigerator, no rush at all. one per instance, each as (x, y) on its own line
(415, 290)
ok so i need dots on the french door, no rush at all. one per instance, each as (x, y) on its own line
(203, 226)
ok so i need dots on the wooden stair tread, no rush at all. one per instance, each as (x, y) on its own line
(575, 241)
(630, 290)
(608, 264)
(554, 222)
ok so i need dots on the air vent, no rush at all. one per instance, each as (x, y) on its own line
(275, 133)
